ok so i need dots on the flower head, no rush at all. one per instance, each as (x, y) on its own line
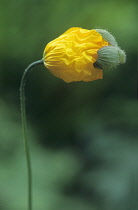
(73, 55)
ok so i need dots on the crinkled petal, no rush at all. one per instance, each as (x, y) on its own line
(71, 56)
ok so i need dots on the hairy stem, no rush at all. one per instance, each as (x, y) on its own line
(24, 127)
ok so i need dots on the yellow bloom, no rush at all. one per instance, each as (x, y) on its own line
(71, 56)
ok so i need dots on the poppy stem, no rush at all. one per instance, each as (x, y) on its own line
(24, 128)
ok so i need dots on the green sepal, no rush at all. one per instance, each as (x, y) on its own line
(122, 56)
(108, 58)
(107, 37)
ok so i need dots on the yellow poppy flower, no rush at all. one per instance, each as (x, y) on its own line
(73, 54)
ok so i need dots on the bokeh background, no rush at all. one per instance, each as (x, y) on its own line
(83, 136)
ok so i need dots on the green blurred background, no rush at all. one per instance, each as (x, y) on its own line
(83, 136)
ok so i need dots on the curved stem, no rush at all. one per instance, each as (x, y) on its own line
(26, 144)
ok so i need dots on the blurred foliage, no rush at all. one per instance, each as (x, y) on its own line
(83, 136)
